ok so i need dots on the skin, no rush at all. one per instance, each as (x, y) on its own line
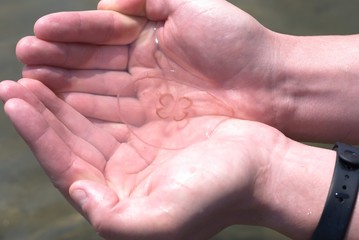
(141, 60)
(183, 192)
(290, 82)
(111, 183)
(275, 78)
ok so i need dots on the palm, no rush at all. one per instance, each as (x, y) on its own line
(100, 65)
(130, 177)
(214, 41)
(162, 91)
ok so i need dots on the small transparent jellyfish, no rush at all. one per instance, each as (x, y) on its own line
(173, 108)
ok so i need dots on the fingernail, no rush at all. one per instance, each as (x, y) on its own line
(79, 196)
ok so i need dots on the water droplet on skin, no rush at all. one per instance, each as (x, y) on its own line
(156, 38)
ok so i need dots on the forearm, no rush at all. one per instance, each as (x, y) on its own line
(318, 84)
(297, 190)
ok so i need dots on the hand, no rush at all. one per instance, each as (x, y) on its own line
(289, 82)
(174, 194)
(236, 87)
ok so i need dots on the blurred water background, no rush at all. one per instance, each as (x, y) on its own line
(30, 207)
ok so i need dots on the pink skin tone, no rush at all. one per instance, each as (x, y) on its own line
(87, 67)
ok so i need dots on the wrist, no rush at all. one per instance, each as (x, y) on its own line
(315, 79)
(297, 190)
(353, 229)
(253, 91)
(289, 188)
(249, 204)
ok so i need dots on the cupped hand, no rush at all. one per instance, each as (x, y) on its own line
(130, 190)
(213, 39)
(190, 50)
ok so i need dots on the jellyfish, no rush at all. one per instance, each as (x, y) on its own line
(171, 109)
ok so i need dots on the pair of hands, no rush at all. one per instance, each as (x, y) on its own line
(164, 177)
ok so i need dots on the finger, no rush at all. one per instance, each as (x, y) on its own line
(107, 108)
(95, 27)
(97, 203)
(134, 7)
(112, 215)
(87, 141)
(117, 130)
(33, 51)
(109, 83)
(54, 155)
(12, 90)
(152, 9)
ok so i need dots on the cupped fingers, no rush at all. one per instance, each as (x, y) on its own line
(34, 51)
(99, 82)
(74, 128)
(94, 27)
(134, 7)
(46, 136)
(11, 89)
(152, 9)
(107, 108)
(119, 131)
(50, 149)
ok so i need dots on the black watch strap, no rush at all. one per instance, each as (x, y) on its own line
(342, 195)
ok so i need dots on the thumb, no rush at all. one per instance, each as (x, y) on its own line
(93, 199)
(154, 10)
(134, 7)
